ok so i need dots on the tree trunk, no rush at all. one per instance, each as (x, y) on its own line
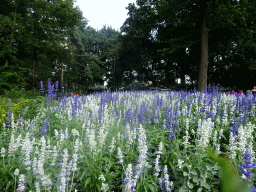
(202, 79)
(61, 77)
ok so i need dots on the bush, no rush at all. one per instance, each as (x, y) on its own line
(20, 99)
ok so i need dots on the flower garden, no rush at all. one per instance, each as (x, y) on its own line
(132, 141)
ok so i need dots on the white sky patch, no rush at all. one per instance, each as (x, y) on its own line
(101, 12)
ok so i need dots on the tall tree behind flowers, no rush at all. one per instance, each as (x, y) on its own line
(33, 31)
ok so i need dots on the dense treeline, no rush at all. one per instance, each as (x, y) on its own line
(212, 42)
(181, 38)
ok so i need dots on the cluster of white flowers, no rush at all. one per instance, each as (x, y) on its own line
(142, 150)
(242, 140)
(75, 132)
(157, 169)
(120, 155)
(102, 136)
(164, 181)
(2, 152)
(21, 186)
(225, 118)
(112, 146)
(180, 162)
(92, 142)
(13, 146)
(186, 137)
(129, 182)
(232, 146)
(129, 135)
(104, 186)
(205, 133)
(26, 149)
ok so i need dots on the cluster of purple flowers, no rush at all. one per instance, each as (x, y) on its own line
(50, 90)
(246, 173)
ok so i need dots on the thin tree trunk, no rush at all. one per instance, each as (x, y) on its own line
(61, 77)
(202, 79)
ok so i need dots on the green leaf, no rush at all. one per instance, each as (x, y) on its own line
(206, 185)
(98, 186)
(88, 180)
(182, 189)
(185, 174)
(151, 187)
(195, 179)
(194, 172)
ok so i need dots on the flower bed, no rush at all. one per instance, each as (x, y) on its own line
(122, 141)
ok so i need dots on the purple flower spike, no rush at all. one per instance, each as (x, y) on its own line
(247, 166)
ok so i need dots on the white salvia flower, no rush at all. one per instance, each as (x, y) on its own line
(218, 149)
(214, 138)
(2, 151)
(252, 151)
(77, 144)
(128, 178)
(157, 169)
(101, 177)
(160, 148)
(56, 133)
(102, 136)
(34, 166)
(242, 140)
(112, 146)
(16, 172)
(75, 132)
(129, 135)
(221, 132)
(165, 180)
(18, 141)
(37, 187)
(74, 167)
(104, 187)
(118, 136)
(225, 118)
(21, 186)
(45, 180)
(43, 146)
(180, 162)
(62, 185)
(92, 142)
(120, 155)
(62, 136)
(205, 133)
(232, 146)
(12, 121)
(185, 143)
(40, 165)
(12, 146)
(66, 133)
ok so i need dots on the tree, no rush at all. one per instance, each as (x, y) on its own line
(185, 24)
(33, 30)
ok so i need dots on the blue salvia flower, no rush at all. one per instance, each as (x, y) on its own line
(45, 126)
(234, 129)
(246, 173)
(56, 86)
(42, 87)
(25, 112)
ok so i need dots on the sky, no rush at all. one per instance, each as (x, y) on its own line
(101, 12)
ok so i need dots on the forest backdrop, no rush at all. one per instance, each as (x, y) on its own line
(211, 42)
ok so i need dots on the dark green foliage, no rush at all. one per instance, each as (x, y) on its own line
(167, 35)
